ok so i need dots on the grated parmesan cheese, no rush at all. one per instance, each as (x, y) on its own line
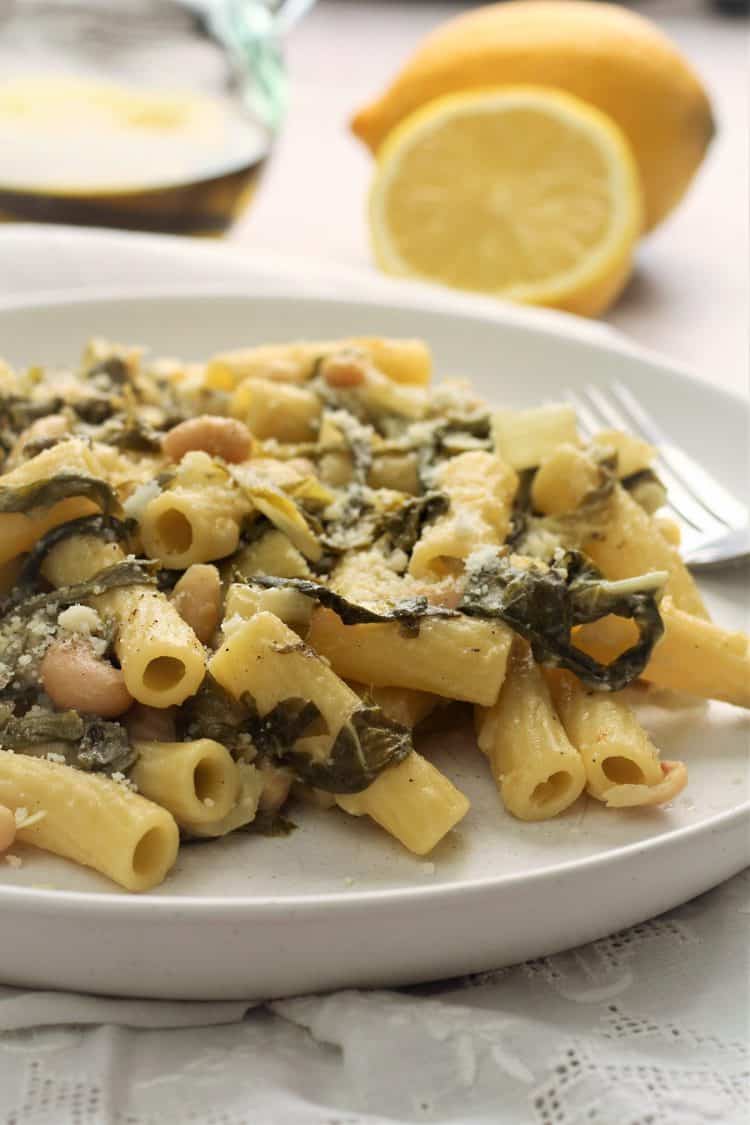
(24, 819)
(79, 619)
(135, 504)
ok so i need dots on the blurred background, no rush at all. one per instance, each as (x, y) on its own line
(172, 116)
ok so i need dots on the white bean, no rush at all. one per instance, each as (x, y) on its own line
(151, 724)
(210, 433)
(343, 370)
(197, 599)
(74, 677)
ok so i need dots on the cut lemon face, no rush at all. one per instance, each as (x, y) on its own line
(525, 193)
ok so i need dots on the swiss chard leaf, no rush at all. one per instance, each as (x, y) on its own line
(18, 412)
(38, 725)
(91, 744)
(212, 713)
(107, 528)
(646, 489)
(104, 747)
(448, 437)
(96, 409)
(132, 435)
(367, 744)
(269, 824)
(129, 572)
(537, 535)
(404, 526)
(44, 493)
(110, 372)
(544, 603)
(408, 612)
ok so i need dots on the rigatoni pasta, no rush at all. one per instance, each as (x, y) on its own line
(227, 585)
(534, 765)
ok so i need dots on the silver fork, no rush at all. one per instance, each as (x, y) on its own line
(714, 524)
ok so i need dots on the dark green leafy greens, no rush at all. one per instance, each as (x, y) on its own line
(131, 434)
(107, 528)
(408, 612)
(91, 744)
(108, 373)
(269, 824)
(95, 409)
(129, 572)
(212, 713)
(38, 725)
(646, 489)
(537, 535)
(543, 603)
(44, 493)
(449, 437)
(405, 525)
(367, 743)
(17, 412)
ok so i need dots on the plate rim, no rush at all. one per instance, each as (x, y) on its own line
(608, 341)
(147, 902)
(597, 335)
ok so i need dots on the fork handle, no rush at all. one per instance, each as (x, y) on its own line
(731, 549)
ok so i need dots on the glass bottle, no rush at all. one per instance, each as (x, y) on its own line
(141, 114)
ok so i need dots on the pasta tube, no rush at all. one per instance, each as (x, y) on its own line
(480, 488)
(403, 705)
(622, 765)
(162, 660)
(291, 607)
(694, 655)
(281, 510)
(90, 819)
(9, 572)
(183, 526)
(412, 801)
(272, 554)
(630, 543)
(536, 769)
(404, 361)
(198, 782)
(266, 659)
(455, 657)
(523, 438)
(20, 530)
(276, 410)
(562, 480)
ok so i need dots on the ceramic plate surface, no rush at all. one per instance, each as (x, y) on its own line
(338, 903)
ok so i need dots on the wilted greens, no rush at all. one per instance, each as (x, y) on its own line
(107, 528)
(129, 572)
(408, 612)
(91, 744)
(367, 743)
(44, 493)
(405, 525)
(212, 713)
(543, 603)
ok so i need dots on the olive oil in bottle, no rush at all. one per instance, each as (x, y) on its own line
(97, 153)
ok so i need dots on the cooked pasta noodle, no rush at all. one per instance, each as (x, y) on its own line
(224, 585)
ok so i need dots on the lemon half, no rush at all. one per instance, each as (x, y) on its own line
(522, 192)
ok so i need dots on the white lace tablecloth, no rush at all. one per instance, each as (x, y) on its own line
(648, 1027)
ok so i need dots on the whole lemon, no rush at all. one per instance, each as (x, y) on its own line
(616, 60)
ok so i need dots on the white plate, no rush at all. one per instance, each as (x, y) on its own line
(338, 903)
